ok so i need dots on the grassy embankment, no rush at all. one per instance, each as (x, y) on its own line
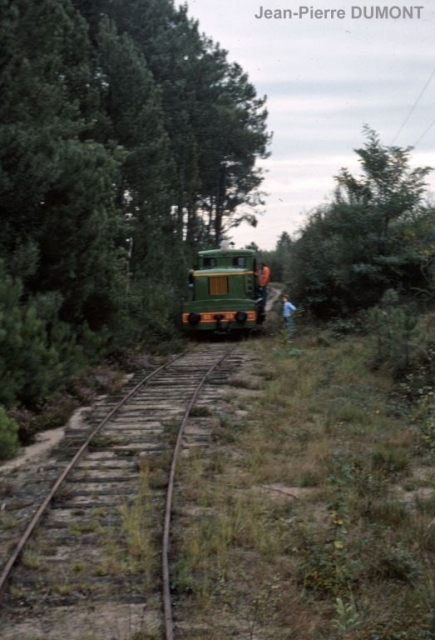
(316, 509)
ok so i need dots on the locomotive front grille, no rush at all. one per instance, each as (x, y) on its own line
(218, 285)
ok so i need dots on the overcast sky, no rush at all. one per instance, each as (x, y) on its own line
(324, 79)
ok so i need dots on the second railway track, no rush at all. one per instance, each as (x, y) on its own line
(92, 567)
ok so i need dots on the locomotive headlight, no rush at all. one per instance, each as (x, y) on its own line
(240, 316)
(193, 318)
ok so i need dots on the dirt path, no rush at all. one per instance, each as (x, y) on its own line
(274, 292)
(34, 453)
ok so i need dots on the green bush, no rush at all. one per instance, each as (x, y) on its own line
(29, 366)
(38, 352)
(149, 317)
(8, 436)
(395, 563)
(398, 341)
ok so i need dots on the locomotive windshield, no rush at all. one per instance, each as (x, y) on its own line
(239, 261)
(209, 263)
(216, 259)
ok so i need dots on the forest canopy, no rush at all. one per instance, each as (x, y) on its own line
(127, 141)
(375, 234)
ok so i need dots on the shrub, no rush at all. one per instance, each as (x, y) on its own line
(8, 436)
(29, 366)
(395, 563)
(395, 332)
(38, 352)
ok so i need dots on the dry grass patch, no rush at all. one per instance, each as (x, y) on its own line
(315, 510)
(138, 528)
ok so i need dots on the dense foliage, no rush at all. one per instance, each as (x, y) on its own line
(127, 140)
(376, 235)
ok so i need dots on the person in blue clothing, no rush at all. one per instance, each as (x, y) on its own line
(287, 311)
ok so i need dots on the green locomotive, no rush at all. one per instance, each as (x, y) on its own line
(224, 295)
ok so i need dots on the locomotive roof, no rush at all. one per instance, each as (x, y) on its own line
(226, 252)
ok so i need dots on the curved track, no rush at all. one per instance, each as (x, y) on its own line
(93, 538)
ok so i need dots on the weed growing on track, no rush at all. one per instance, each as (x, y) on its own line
(32, 560)
(318, 506)
(138, 527)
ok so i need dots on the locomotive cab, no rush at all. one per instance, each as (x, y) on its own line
(224, 293)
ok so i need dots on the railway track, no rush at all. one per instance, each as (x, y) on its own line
(85, 546)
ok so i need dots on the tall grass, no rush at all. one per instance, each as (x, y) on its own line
(315, 494)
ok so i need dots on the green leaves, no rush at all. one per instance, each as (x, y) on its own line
(117, 124)
(366, 240)
(8, 436)
(29, 367)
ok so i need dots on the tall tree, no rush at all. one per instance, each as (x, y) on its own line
(234, 138)
(350, 252)
(215, 122)
(56, 186)
(132, 102)
(387, 190)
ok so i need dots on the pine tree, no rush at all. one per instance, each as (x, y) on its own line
(215, 122)
(56, 184)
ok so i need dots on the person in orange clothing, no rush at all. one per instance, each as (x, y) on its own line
(263, 279)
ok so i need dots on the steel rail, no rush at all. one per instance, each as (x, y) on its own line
(167, 606)
(38, 515)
